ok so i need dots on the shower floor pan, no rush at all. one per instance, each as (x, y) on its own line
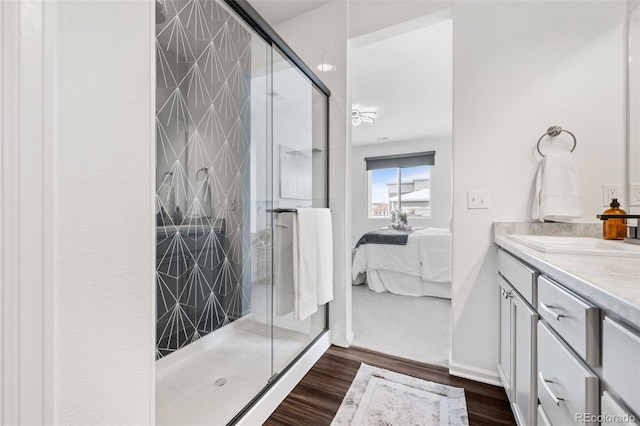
(214, 380)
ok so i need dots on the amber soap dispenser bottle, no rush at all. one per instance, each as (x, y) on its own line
(614, 229)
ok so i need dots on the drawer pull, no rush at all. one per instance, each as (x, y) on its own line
(555, 399)
(549, 309)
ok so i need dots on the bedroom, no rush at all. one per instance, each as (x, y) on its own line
(403, 134)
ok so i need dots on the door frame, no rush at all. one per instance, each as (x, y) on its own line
(27, 36)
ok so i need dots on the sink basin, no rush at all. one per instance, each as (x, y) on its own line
(577, 245)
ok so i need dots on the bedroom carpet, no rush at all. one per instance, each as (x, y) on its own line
(417, 328)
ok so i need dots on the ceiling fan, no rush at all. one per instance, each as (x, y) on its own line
(358, 117)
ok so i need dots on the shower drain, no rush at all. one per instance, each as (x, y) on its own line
(220, 382)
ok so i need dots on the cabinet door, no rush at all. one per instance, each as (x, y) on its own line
(543, 420)
(621, 361)
(525, 399)
(614, 414)
(506, 333)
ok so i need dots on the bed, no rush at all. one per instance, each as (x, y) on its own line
(421, 267)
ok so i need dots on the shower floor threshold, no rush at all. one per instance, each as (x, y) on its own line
(220, 373)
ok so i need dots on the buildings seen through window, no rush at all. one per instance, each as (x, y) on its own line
(415, 194)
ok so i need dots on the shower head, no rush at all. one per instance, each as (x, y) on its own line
(161, 12)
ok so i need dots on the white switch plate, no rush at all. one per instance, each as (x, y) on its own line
(609, 192)
(634, 195)
(478, 199)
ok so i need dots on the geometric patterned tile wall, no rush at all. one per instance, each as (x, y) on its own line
(203, 60)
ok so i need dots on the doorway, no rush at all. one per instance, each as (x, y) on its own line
(400, 80)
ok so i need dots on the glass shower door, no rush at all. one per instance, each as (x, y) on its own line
(224, 319)
(299, 115)
(213, 233)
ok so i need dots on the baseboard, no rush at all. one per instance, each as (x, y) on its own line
(261, 411)
(477, 374)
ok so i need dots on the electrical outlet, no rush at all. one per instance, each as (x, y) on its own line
(609, 192)
(634, 195)
(478, 199)
(232, 204)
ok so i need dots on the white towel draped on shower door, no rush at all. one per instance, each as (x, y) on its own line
(312, 260)
(283, 267)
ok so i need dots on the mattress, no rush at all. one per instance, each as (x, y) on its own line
(411, 269)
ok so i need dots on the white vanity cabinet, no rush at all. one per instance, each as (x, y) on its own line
(517, 364)
(566, 341)
(506, 336)
(612, 413)
(621, 365)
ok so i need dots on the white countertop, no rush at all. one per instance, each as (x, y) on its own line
(612, 283)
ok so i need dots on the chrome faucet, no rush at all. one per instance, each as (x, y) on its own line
(632, 233)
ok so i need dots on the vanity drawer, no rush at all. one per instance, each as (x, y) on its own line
(574, 319)
(520, 276)
(621, 361)
(543, 420)
(613, 414)
(565, 385)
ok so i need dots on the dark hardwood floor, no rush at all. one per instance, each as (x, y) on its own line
(315, 400)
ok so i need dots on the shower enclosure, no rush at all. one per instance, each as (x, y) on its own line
(241, 130)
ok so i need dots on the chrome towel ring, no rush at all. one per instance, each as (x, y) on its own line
(203, 169)
(554, 131)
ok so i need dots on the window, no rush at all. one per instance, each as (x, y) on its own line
(410, 172)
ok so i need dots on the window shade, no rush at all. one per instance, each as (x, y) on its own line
(426, 158)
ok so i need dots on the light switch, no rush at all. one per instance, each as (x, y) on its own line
(478, 199)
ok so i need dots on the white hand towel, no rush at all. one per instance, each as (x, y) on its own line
(557, 193)
(312, 260)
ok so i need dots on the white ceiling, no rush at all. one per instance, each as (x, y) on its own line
(404, 74)
(407, 80)
(276, 11)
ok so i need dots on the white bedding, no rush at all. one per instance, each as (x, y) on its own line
(425, 259)
(407, 285)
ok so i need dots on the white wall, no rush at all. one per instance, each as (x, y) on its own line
(440, 184)
(320, 36)
(104, 254)
(520, 67)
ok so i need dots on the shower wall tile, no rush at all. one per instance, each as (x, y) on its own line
(329, 26)
(339, 119)
(317, 31)
(339, 266)
(337, 166)
(327, 76)
(314, 61)
(340, 71)
(340, 323)
(338, 204)
(202, 132)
